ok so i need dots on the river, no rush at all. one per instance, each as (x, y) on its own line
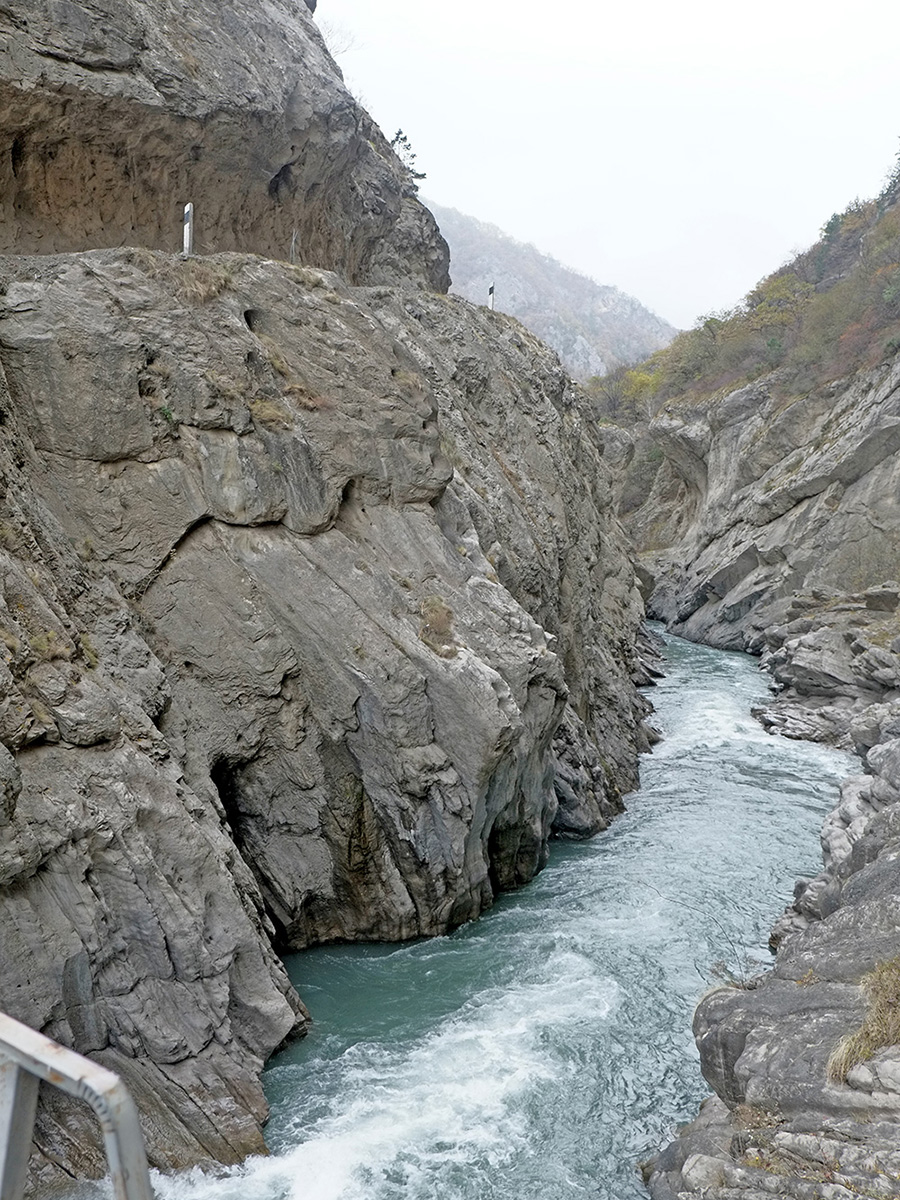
(541, 1052)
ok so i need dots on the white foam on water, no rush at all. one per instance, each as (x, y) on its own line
(456, 1097)
(552, 1079)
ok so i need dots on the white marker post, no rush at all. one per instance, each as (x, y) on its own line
(491, 297)
(189, 229)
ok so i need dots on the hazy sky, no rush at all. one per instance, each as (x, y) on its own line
(680, 151)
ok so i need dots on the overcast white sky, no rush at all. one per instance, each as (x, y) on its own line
(680, 151)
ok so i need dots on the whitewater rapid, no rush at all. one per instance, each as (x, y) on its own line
(542, 1052)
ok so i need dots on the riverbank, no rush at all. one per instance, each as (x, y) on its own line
(804, 1060)
(544, 1050)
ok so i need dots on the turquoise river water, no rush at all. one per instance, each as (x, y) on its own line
(541, 1052)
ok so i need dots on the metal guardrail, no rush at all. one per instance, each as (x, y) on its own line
(27, 1057)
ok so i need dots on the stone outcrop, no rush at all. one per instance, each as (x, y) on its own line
(131, 928)
(772, 526)
(761, 497)
(321, 584)
(115, 113)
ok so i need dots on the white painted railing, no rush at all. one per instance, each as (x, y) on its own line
(26, 1057)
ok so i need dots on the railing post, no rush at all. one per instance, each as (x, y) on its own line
(27, 1057)
(18, 1102)
(125, 1147)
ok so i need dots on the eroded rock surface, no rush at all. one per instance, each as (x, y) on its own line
(131, 928)
(763, 496)
(115, 113)
(344, 610)
(773, 527)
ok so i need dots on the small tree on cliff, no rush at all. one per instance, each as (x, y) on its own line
(406, 154)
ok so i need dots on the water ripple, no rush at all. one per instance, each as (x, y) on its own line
(540, 1053)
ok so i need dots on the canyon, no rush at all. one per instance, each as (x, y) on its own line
(317, 619)
(772, 526)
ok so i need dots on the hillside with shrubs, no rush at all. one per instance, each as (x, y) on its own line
(830, 312)
(593, 327)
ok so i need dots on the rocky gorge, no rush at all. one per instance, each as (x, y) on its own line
(317, 618)
(772, 526)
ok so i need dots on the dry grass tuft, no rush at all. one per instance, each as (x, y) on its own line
(225, 389)
(749, 1117)
(156, 366)
(193, 280)
(9, 640)
(302, 396)
(274, 355)
(809, 979)
(407, 381)
(436, 630)
(146, 260)
(308, 276)
(202, 281)
(88, 651)
(881, 1026)
(9, 538)
(270, 413)
(49, 645)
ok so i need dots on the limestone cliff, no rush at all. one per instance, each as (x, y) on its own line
(316, 615)
(773, 526)
(116, 113)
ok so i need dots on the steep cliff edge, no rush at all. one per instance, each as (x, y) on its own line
(290, 623)
(316, 615)
(773, 526)
(116, 113)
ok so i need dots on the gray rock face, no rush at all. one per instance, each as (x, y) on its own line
(773, 497)
(836, 668)
(786, 544)
(325, 585)
(118, 112)
(132, 930)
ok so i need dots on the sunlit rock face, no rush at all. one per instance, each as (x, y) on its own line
(117, 112)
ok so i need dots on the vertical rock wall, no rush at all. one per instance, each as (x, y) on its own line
(115, 113)
(367, 619)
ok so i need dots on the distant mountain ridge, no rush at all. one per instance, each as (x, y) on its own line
(594, 328)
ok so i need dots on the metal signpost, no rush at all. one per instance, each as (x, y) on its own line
(26, 1057)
